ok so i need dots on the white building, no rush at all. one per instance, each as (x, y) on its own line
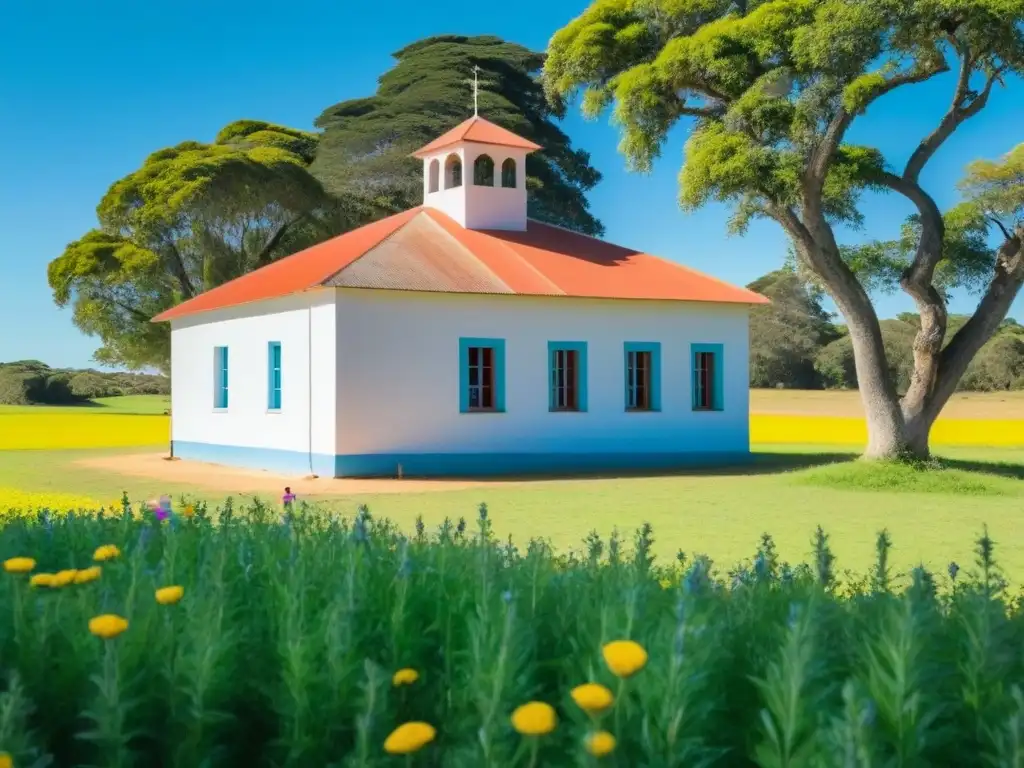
(461, 338)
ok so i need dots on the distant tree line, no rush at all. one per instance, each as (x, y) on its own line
(794, 344)
(30, 382)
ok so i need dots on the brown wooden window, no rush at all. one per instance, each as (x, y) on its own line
(481, 378)
(704, 381)
(638, 380)
(707, 377)
(565, 380)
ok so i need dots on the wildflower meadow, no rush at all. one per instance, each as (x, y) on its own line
(182, 636)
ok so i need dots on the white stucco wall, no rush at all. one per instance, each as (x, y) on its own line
(479, 207)
(398, 374)
(306, 421)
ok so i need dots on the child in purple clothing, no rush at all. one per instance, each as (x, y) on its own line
(289, 498)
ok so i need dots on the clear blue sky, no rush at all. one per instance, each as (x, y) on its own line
(87, 90)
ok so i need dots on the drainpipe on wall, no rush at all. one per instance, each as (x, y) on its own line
(309, 381)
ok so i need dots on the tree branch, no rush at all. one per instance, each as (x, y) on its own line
(824, 152)
(958, 112)
(992, 309)
(995, 220)
(177, 266)
(700, 111)
(917, 281)
(263, 257)
(136, 313)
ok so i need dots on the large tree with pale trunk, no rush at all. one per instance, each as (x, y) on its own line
(774, 87)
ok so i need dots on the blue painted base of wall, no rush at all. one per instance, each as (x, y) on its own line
(451, 464)
(296, 463)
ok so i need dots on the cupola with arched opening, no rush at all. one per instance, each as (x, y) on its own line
(476, 174)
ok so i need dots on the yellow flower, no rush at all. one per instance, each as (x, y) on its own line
(6, 761)
(188, 511)
(169, 595)
(19, 564)
(600, 744)
(408, 738)
(666, 583)
(592, 697)
(405, 676)
(63, 578)
(107, 626)
(534, 718)
(624, 657)
(41, 580)
(106, 552)
(86, 575)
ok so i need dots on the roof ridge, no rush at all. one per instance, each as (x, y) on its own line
(507, 248)
(435, 223)
(416, 210)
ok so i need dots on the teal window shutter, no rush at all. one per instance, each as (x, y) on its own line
(220, 395)
(708, 380)
(274, 376)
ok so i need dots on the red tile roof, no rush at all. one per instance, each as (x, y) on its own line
(478, 130)
(437, 254)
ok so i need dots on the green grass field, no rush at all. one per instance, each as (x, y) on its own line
(933, 517)
(143, 405)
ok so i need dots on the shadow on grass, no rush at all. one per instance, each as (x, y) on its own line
(996, 468)
(761, 463)
(833, 464)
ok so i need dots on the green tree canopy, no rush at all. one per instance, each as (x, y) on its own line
(30, 382)
(365, 147)
(999, 365)
(192, 217)
(773, 87)
(786, 335)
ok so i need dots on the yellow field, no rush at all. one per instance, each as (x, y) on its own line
(29, 503)
(840, 430)
(991, 419)
(777, 416)
(73, 428)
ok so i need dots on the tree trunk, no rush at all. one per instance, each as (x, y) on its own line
(905, 436)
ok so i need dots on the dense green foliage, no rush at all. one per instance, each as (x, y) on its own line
(787, 335)
(192, 217)
(794, 344)
(282, 650)
(365, 146)
(30, 382)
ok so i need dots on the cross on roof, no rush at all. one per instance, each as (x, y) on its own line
(476, 90)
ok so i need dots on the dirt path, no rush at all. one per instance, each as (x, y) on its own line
(231, 479)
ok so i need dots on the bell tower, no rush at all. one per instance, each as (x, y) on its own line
(476, 174)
